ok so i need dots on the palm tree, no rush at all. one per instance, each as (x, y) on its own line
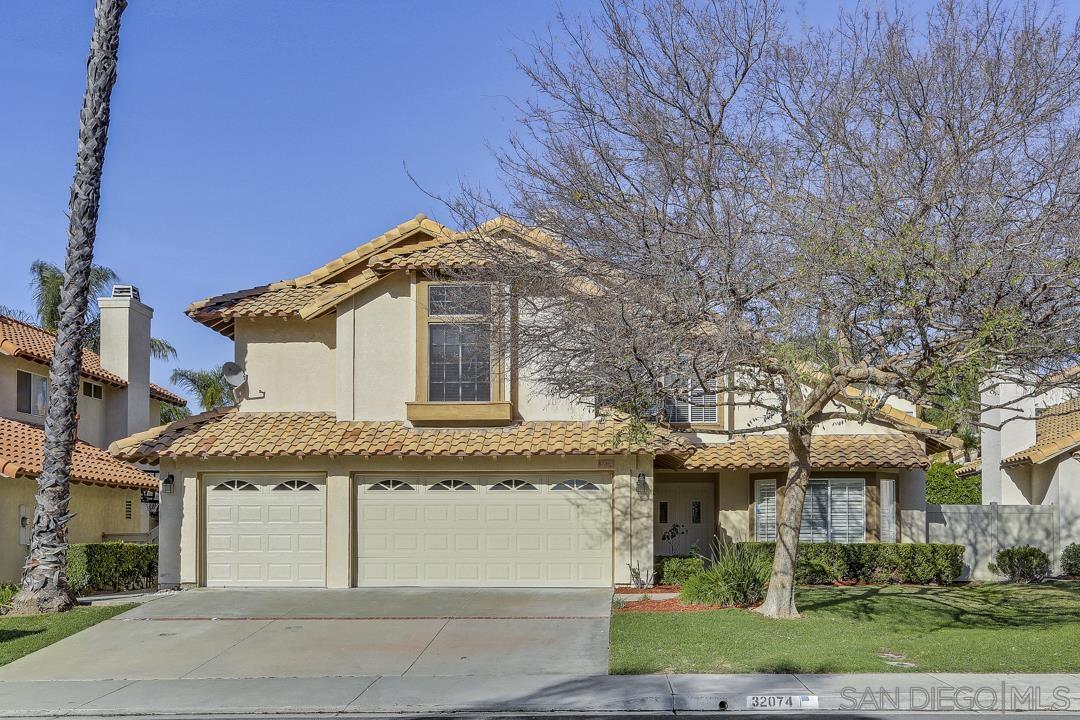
(209, 386)
(44, 582)
(46, 280)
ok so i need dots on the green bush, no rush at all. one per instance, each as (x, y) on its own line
(1024, 564)
(877, 563)
(1070, 560)
(738, 576)
(111, 566)
(944, 488)
(677, 569)
(7, 592)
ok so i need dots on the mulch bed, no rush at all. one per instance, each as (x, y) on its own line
(624, 590)
(670, 605)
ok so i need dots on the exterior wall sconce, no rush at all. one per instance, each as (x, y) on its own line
(167, 484)
(642, 485)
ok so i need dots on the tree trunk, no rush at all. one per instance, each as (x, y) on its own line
(44, 582)
(780, 600)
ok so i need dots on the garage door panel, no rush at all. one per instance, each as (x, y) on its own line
(523, 532)
(265, 530)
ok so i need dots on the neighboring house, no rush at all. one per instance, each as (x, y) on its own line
(1034, 458)
(380, 440)
(116, 399)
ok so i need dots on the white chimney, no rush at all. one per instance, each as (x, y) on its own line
(125, 351)
(1014, 414)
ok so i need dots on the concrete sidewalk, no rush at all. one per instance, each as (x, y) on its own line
(537, 694)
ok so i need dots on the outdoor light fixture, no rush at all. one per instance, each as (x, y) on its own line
(166, 484)
(641, 485)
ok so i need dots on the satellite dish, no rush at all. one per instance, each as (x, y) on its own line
(234, 374)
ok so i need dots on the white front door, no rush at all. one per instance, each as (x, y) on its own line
(521, 530)
(265, 531)
(684, 517)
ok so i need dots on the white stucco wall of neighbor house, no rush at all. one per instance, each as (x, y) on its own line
(289, 364)
(912, 497)
(1063, 490)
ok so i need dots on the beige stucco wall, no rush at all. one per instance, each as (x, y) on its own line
(747, 417)
(97, 510)
(289, 364)
(180, 534)
(377, 351)
(534, 403)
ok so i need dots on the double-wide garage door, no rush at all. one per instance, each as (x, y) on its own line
(527, 530)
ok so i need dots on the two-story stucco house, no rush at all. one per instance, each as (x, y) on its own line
(381, 440)
(116, 399)
(1031, 453)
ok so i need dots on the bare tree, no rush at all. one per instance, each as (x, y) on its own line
(815, 223)
(44, 582)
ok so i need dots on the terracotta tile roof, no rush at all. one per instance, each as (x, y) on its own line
(227, 433)
(1057, 430)
(315, 292)
(969, 468)
(30, 342)
(22, 453)
(755, 452)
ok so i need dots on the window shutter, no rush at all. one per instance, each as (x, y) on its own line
(847, 510)
(888, 510)
(765, 510)
(815, 517)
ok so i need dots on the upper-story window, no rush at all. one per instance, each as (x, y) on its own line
(32, 393)
(91, 390)
(689, 404)
(459, 343)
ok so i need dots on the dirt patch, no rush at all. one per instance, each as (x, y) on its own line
(622, 590)
(669, 605)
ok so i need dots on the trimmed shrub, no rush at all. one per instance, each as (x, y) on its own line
(1024, 564)
(1070, 560)
(111, 566)
(876, 563)
(944, 488)
(677, 569)
(738, 576)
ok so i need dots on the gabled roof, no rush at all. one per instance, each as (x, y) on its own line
(767, 452)
(936, 441)
(316, 292)
(1057, 431)
(229, 433)
(22, 340)
(22, 452)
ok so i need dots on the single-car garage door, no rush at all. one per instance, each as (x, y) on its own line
(527, 530)
(265, 530)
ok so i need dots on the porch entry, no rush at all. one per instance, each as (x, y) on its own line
(684, 517)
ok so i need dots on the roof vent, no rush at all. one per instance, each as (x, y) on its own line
(125, 291)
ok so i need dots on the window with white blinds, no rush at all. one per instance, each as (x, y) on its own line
(834, 510)
(888, 510)
(688, 403)
(765, 510)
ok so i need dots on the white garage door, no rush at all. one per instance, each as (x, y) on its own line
(267, 530)
(524, 530)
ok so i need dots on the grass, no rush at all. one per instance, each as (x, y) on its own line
(23, 635)
(976, 628)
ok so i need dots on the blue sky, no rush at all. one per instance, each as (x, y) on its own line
(252, 141)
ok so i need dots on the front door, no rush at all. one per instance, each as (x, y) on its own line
(684, 517)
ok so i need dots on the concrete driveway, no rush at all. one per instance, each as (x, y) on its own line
(336, 633)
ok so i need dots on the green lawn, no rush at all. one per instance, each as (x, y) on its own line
(23, 635)
(982, 628)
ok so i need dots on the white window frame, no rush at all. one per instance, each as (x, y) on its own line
(829, 489)
(765, 509)
(889, 529)
(699, 408)
(39, 394)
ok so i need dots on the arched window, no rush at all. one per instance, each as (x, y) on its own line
(296, 485)
(391, 485)
(453, 485)
(581, 485)
(235, 485)
(513, 485)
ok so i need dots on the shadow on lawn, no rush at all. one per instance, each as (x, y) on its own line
(928, 608)
(9, 635)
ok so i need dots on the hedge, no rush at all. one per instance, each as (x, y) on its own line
(111, 566)
(944, 488)
(877, 563)
(677, 569)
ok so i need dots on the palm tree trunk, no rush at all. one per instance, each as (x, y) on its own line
(780, 600)
(44, 582)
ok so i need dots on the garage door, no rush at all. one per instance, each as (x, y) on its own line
(525, 530)
(265, 531)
